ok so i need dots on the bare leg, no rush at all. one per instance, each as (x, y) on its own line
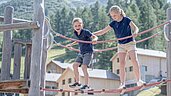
(122, 56)
(135, 64)
(76, 73)
(86, 75)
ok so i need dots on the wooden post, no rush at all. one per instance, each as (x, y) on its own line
(7, 45)
(27, 61)
(17, 60)
(169, 53)
(37, 47)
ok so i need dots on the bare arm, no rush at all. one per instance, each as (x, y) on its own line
(134, 27)
(103, 31)
(71, 44)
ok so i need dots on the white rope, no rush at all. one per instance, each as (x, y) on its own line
(47, 22)
(51, 41)
(165, 32)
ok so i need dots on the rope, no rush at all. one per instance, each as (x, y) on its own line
(81, 41)
(143, 32)
(109, 90)
(51, 41)
(70, 48)
(165, 35)
(48, 34)
(107, 49)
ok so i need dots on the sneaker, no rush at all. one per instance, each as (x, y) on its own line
(76, 84)
(141, 83)
(84, 87)
(122, 86)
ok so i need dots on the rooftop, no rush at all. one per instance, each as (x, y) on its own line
(52, 77)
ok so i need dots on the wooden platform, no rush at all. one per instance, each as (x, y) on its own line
(14, 86)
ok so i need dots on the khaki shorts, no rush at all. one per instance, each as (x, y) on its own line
(127, 47)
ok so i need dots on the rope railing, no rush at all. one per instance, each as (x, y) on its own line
(120, 91)
(105, 41)
(107, 49)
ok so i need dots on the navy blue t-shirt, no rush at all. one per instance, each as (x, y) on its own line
(122, 29)
(85, 35)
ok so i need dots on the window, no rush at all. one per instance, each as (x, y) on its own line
(63, 82)
(129, 57)
(131, 85)
(48, 87)
(69, 80)
(118, 60)
(131, 68)
(63, 94)
(125, 69)
(53, 87)
(145, 68)
(68, 93)
(117, 71)
(57, 85)
(75, 93)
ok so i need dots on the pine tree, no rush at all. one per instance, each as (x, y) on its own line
(147, 20)
(95, 14)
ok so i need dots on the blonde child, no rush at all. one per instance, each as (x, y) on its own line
(122, 27)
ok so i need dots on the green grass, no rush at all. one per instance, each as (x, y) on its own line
(52, 53)
(154, 91)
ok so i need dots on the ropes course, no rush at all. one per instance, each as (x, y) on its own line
(119, 91)
(92, 91)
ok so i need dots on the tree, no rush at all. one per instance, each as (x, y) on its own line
(147, 20)
(95, 15)
(103, 58)
(158, 43)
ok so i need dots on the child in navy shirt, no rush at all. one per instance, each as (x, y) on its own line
(86, 51)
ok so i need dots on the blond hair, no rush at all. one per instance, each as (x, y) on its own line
(116, 8)
(77, 20)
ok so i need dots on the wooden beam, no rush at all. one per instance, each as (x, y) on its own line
(15, 86)
(19, 90)
(7, 46)
(27, 62)
(15, 20)
(22, 25)
(21, 41)
(17, 61)
(37, 48)
(169, 53)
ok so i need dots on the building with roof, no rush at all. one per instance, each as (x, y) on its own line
(99, 79)
(51, 83)
(56, 67)
(152, 64)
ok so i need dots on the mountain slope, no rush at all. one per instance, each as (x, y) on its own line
(24, 8)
